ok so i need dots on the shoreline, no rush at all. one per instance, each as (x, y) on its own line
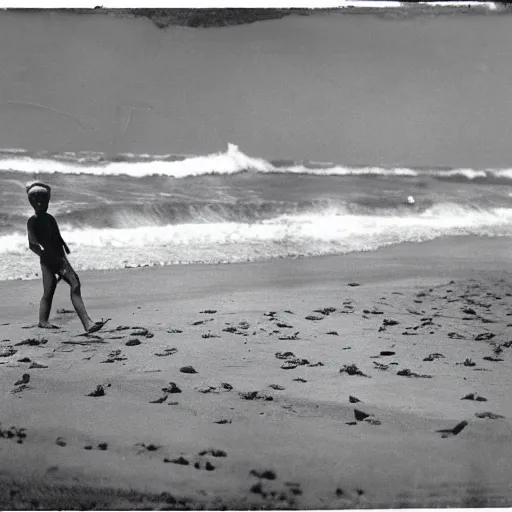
(401, 250)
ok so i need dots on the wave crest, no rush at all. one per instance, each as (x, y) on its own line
(231, 161)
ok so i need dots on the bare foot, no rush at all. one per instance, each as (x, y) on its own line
(96, 326)
(47, 325)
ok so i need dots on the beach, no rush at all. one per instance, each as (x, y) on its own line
(299, 230)
(375, 379)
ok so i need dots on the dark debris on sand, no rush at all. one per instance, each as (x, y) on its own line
(32, 342)
(352, 369)
(407, 373)
(474, 396)
(172, 388)
(14, 433)
(99, 391)
(188, 369)
(453, 431)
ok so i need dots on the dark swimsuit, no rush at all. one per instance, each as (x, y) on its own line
(43, 230)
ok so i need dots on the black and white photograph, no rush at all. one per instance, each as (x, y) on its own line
(256, 257)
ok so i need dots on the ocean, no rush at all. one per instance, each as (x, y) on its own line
(126, 210)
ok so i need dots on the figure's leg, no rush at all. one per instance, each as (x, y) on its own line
(71, 277)
(45, 306)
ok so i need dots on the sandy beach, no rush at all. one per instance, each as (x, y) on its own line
(341, 379)
(378, 379)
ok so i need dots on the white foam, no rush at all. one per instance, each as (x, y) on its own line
(349, 171)
(470, 174)
(231, 161)
(327, 232)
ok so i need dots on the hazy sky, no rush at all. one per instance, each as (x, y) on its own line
(351, 89)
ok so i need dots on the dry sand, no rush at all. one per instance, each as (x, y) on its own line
(255, 426)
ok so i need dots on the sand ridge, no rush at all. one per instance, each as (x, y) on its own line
(350, 394)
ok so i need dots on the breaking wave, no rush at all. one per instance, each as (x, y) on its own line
(231, 161)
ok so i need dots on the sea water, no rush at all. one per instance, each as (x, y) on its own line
(127, 210)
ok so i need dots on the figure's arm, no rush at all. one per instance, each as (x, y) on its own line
(66, 248)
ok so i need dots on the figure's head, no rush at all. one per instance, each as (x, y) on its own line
(39, 196)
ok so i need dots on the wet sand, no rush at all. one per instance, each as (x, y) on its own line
(366, 380)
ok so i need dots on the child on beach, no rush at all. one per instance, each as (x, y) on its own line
(45, 240)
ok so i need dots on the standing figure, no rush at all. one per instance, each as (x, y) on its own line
(45, 240)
